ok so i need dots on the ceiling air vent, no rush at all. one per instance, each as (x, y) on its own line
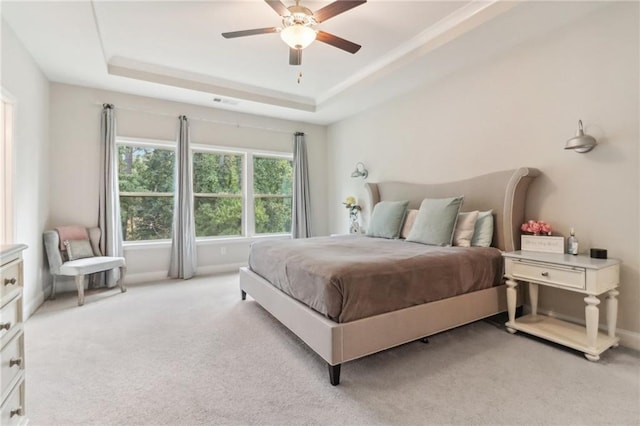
(225, 101)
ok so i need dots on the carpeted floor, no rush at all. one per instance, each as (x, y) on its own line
(191, 352)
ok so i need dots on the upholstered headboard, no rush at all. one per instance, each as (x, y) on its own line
(504, 192)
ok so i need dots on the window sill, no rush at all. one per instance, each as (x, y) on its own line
(145, 245)
(203, 241)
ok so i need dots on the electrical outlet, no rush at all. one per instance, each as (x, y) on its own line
(223, 250)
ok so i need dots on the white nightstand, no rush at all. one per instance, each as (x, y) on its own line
(580, 274)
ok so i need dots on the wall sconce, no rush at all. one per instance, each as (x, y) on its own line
(580, 142)
(360, 171)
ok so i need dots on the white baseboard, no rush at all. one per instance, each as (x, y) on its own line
(145, 277)
(628, 339)
(32, 305)
(220, 269)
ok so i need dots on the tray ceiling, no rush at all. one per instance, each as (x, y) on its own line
(174, 50)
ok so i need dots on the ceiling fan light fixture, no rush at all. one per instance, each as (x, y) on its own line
(298, 36)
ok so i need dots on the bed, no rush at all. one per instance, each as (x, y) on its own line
(337, 337)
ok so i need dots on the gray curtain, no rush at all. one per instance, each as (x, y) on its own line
(109, 220)
(300, 211)
(183, 245)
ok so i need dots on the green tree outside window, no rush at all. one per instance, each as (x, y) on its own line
(272, 188)
(217, 183)
(146, 192)
(146, 179)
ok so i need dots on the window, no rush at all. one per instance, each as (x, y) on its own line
(146, 173)
(217, 190)
(272, 189)
(236, 192)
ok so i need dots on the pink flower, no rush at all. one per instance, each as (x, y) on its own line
(536, 227)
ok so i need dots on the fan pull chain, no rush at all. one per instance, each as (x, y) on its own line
(299, 77)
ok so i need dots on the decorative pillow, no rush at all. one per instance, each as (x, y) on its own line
(464, 228)
(78, 249)
(408, 222)
(483, 233)
(387, 218)
(436, 221)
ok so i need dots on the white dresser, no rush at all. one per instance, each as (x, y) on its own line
(12, 407)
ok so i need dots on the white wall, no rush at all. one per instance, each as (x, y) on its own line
(75, 137)
(518, 110)
(23, 81)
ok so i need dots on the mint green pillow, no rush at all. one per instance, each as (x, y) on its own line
(483, 231)
(436, 221)
(387, 218)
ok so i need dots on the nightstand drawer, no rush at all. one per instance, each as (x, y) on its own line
(555, 275)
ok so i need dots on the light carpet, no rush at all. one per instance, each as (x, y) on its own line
(191, 352)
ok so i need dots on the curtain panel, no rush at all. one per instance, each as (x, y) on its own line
(109, 204)
(183, 244)
(300, 210)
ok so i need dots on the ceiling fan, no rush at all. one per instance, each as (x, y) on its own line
(297, 27)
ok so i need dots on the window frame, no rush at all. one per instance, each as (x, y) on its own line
(209, 149)
(247, 195)
(146, 143)
(248, 198)
(275, 155)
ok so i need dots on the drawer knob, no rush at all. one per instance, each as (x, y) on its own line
(11, 281)
(545, 274)
(15, 361)
(5, 325)
(16, 412)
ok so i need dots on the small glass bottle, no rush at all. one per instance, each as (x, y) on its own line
(572, 243)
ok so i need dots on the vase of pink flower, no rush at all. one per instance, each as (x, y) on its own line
(536, 236)
(536, 227)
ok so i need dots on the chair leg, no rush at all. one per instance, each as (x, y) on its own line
(123, 271)
(80, 285)
(52, 296)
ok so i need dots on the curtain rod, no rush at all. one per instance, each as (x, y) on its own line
(208, 120)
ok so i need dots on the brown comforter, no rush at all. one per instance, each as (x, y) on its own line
(352, 277)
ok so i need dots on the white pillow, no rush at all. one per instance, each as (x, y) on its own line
(464, 228)
(408, 222)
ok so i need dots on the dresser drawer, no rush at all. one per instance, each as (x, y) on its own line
(10, 317)
(10, 277)
(555, 275)
(11, 361)
(12, 410)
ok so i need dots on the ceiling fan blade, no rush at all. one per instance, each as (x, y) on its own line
(338, 42)
(280, 8)
(234, 34)
(336, 8)
(295, 56)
